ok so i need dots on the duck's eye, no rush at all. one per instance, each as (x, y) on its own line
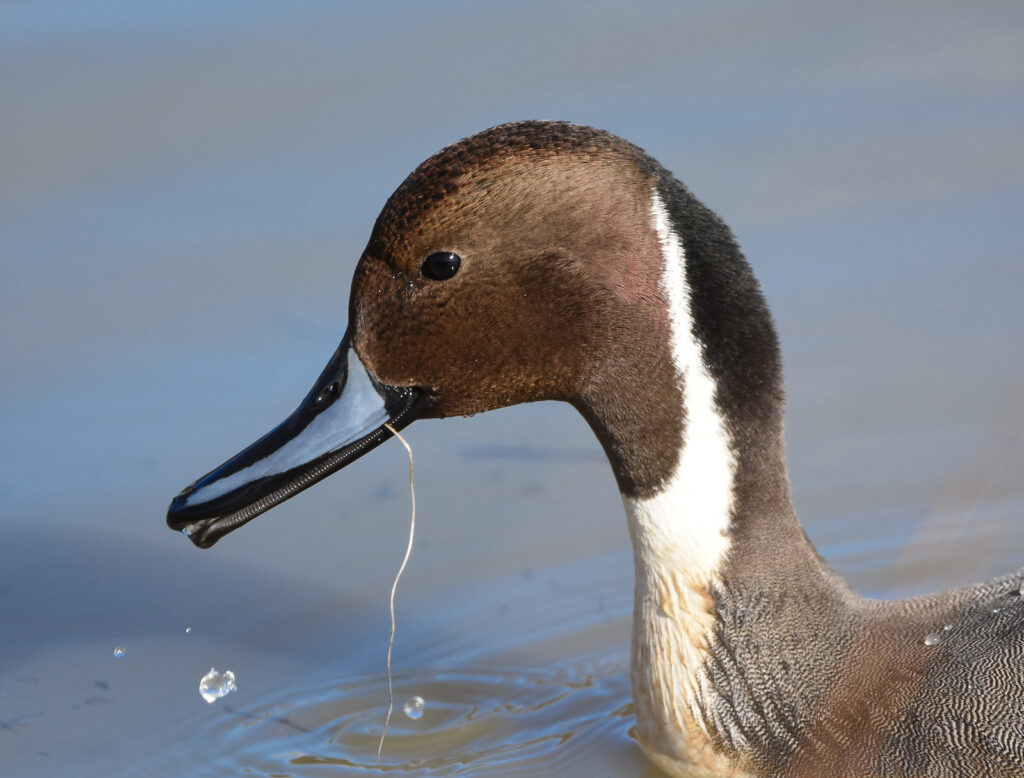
(440, 266)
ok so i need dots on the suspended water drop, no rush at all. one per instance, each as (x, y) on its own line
(414, 707)
(119, 652)
(216, 685)
(996, 610)
(931, 639)
(187, 630)
(947, 628)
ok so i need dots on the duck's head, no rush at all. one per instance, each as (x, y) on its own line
(519, 264)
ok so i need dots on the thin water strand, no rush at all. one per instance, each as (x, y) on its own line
(394, 588)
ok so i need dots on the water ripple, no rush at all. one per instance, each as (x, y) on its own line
(475, 721)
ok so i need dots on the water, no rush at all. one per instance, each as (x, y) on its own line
(119, 652)
(183, 195)
(478, 706)
(414, 707)
(932, 639)
(483, 720)
(215, 685)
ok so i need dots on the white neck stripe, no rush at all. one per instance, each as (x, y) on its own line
(684, 525)
(680, 539)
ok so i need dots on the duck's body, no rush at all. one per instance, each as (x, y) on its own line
(550, 261)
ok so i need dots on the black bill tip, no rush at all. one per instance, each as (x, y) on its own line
(345, 414)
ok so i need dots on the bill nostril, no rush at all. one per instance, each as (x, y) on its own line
(327, 393)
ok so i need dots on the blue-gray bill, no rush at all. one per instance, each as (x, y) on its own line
(341, 418)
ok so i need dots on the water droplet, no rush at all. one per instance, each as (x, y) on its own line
(187, 630)
(1020, 591)
(996, 610)
(216, 685)
(947, 628)
(414, 707)
(932, 638)
(119, 652)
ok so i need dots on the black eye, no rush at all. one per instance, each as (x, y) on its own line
(440, 266)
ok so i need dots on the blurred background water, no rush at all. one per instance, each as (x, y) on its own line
(184, 191)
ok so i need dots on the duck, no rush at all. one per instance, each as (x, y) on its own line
(544, 260)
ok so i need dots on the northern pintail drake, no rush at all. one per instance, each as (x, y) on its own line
(550, 261)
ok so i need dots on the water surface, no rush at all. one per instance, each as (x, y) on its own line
(184, 192)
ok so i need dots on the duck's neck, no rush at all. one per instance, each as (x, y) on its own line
(728, 588)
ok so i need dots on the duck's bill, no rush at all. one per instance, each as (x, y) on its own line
(343, 416)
